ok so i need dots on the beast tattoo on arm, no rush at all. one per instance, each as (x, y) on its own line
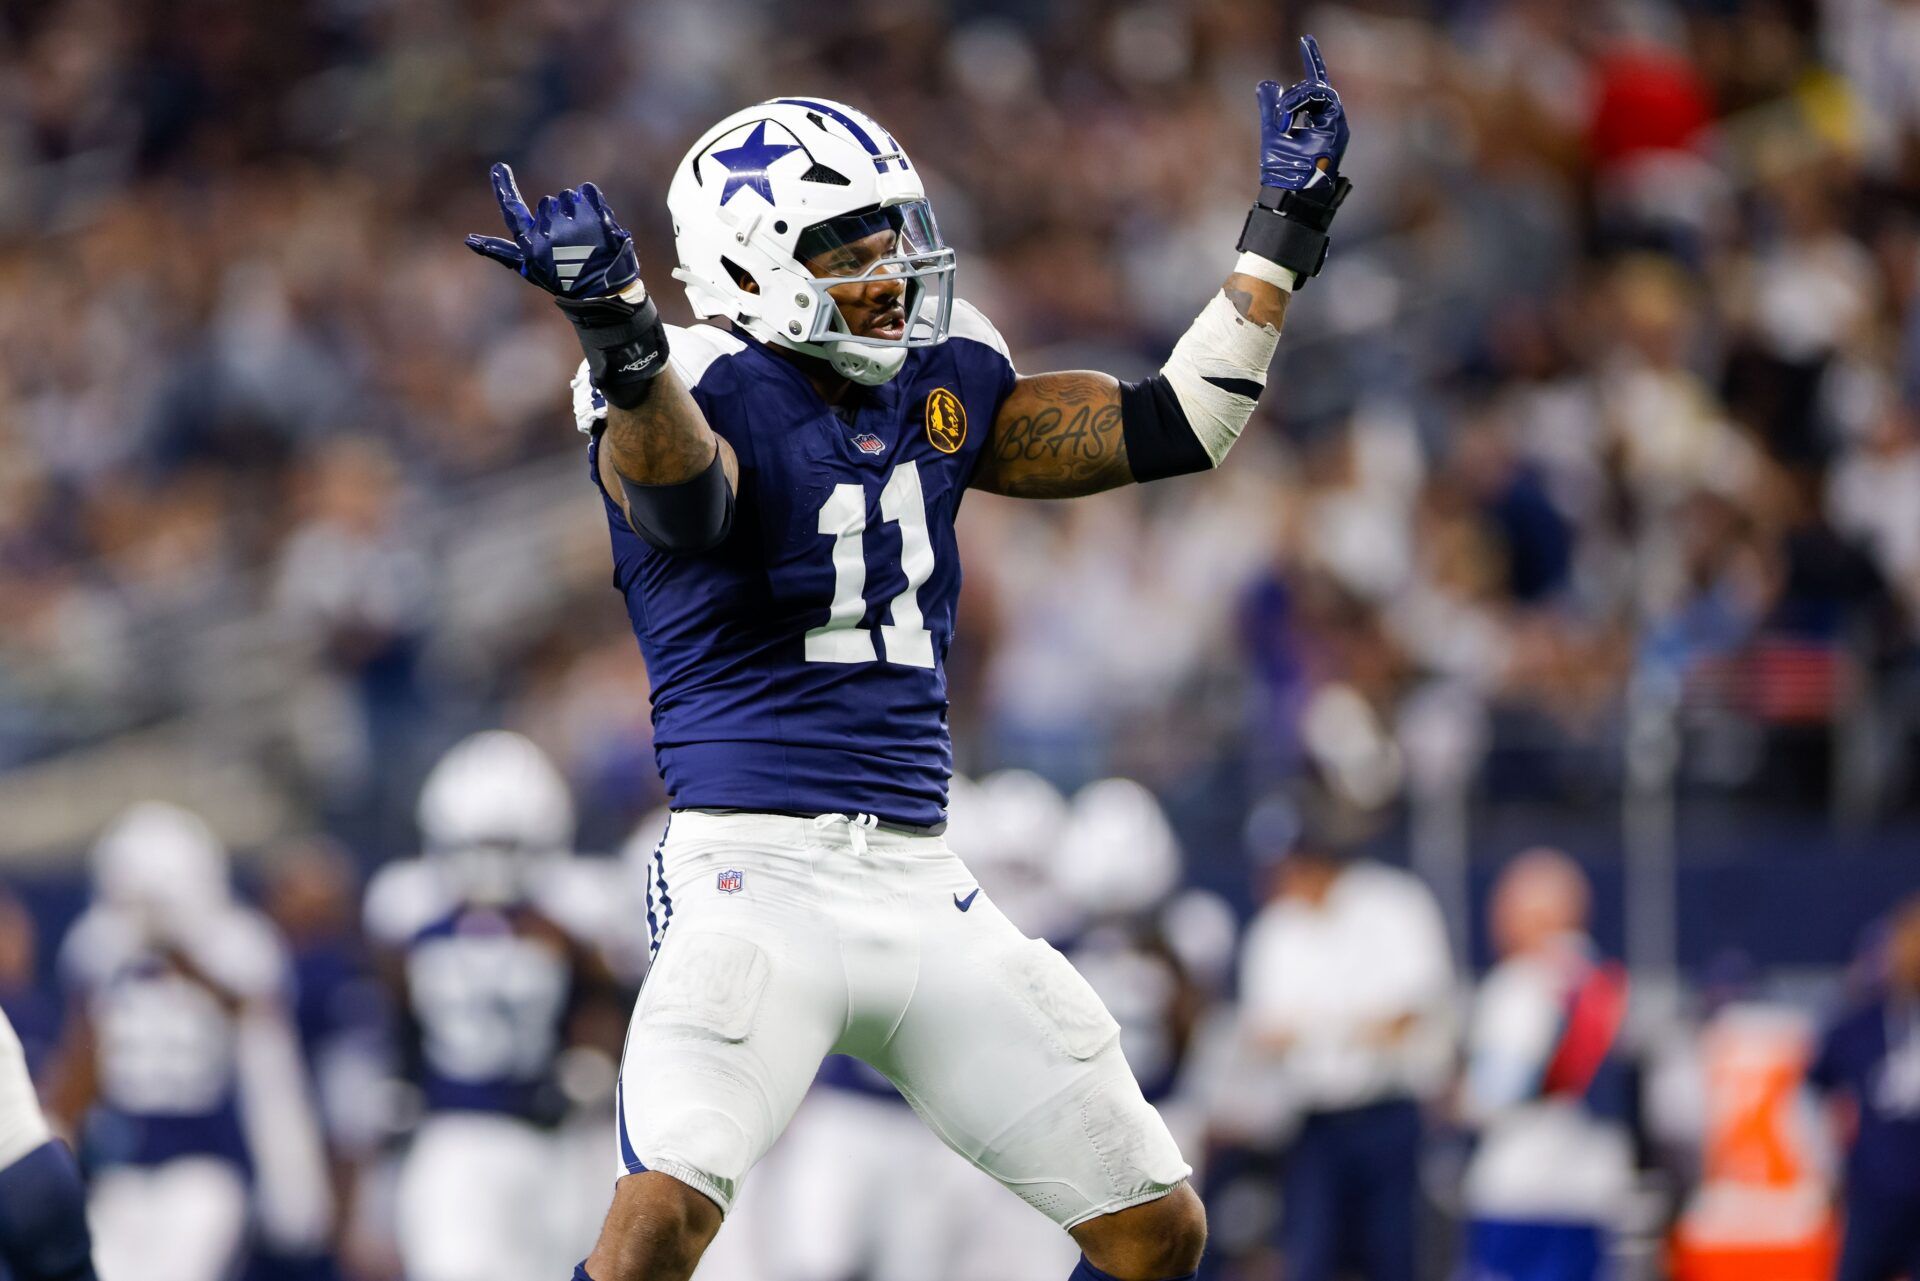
(1056, 436)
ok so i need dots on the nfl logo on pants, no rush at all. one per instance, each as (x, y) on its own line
(729, 881)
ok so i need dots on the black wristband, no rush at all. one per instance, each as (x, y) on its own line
(1160, 440)
(691, 516)
(626, 346)
(1290, 227)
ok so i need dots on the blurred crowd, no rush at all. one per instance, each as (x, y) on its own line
(412, 1077)
(1606, 395)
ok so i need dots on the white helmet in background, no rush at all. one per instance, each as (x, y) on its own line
(1119, 856)
(492, 804)
(1006, 829)
(163, 861)
(1202, 930)
(789, 181)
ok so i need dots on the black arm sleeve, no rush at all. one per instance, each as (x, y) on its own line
(692, 516)
(1160, 442)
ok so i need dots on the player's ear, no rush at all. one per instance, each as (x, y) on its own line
(741, 276)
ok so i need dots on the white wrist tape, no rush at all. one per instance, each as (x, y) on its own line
(1266, 269)
(1216, 364)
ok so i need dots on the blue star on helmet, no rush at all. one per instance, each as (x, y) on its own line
(747, 163)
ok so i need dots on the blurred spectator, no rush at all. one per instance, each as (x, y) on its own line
(1870, 1062)
(1345, 984)
(1553, 1170)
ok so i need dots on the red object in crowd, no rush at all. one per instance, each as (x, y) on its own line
(1645, 99)
(1595, 1011)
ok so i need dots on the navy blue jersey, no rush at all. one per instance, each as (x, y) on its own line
(164, 1040)
(488, 991)
(801, 665)
(1873, 1055)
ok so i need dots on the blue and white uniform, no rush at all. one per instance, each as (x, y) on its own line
(803, 902)
(487, 989)
(800, 667)
(1871, 1055)
(165, 1136)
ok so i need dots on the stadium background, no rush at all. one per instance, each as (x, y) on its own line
(1585, 509)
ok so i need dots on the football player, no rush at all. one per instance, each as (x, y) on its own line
(180, 1069)
(781, 498)
(471, 937)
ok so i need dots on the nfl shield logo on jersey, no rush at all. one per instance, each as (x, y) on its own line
(730, 881)
(868, 443)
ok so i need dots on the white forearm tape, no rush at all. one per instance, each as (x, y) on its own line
(1225, 347)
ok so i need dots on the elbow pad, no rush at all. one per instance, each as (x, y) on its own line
(691, 516)
(1187, 417)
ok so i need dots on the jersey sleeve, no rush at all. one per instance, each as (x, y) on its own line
(985, 349)
(402, 899)
(692, 350)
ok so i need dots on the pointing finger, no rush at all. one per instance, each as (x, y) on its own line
(1316, 65)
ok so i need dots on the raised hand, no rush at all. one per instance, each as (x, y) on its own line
(569, 244)
(1301, 126)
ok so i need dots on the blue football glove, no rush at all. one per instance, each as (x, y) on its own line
(571, 247)
(1301, 126)
(1303, 136)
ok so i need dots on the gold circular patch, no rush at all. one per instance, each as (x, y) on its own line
(946, 421)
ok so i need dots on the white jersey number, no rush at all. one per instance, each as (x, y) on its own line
(843, 518)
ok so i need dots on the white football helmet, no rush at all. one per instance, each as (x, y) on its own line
(163, 862)
(786, 182)
(1119, 855)
(491, 805)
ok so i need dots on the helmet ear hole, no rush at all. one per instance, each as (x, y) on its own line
(741, 276)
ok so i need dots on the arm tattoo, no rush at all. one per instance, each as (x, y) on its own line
(662, 440)
(1058, 436)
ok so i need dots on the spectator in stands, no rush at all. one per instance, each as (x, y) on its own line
(1345, 983)
(1870, 1061)
(1554, 1166)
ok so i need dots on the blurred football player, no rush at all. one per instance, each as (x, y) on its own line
(1553, 1172)
(781, 498)
(180, 1070)
(1870, 1059)
(43, 1207)
(486, 975)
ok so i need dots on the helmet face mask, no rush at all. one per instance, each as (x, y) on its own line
(918, 261)
(793, 182)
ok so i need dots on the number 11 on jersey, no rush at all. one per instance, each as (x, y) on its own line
(843, 518)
